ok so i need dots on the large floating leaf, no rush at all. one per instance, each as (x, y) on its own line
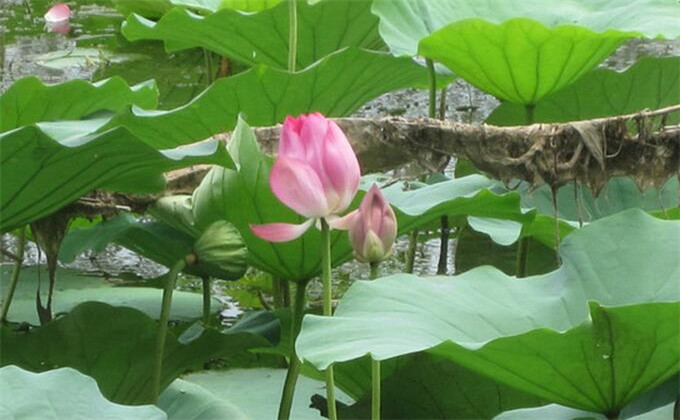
(262, 38)
(650, 83)
(61, 394)
(403, 23)
(184, 400)
(116, 346)
(73, 288)
(30, 101)
(256, 391)
(47, 166)
(547, 335)
(336, 86)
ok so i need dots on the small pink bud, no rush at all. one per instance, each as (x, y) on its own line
(58, 13)
(373, 228)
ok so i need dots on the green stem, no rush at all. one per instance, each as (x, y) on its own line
(442, 103)
(523, 246)
(328, 310)
(442, 264)
(375, 395)
(14, 279)
(294, 364)
(206, 300)
(207, 57)
(411, 251)
(375, 364)
(292, 34)
(163, 327)
(522, 257)
(432, 111)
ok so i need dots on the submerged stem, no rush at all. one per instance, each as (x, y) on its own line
(294, 364)
(205, 282)
(411, 251)
(14, 279)
(163, 327)
(292, 34)
(328, 310)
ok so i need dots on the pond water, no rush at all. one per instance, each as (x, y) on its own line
(92, 48)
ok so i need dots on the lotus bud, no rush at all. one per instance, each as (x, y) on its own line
(220, 252)
(58, 13)
(373, 228)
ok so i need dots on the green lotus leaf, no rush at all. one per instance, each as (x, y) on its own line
(651, 83)
(61, 394)
(256, 389)
(119, 352)
(424, 386)
(184, 400)
(574, 336)
(403, 23)
(519, 60)
(336, 86)
(262, 38)
(29, 100)
(73, 287)
(619, 194)
(47, 166)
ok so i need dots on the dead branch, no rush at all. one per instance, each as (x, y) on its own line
(589, 152)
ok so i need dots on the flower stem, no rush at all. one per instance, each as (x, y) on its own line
(205, 281)
(327, 310)
(294, 364)
(375, 364)
(14, 279)
(292, 34)
(163, 327)
(432, 113)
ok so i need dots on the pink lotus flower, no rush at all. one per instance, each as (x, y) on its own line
(58, 13)
(373, 227)
(316, 174)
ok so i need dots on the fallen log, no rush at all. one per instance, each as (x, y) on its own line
(589, 152)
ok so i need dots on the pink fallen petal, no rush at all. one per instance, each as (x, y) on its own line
(297, 186)
(58, 13)
(280, 232)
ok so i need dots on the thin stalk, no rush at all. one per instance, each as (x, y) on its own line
(442, 264)
(442, 103)
(292, 34)
(523, 246)
(205, 281)
(328, 310)
(14, 279)
(375, 365)
(522, 257)
(432, 113)
(556, 214)
(163, 327)
(411, 251)
(294, 364)
(278, 293)
(207, 57)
